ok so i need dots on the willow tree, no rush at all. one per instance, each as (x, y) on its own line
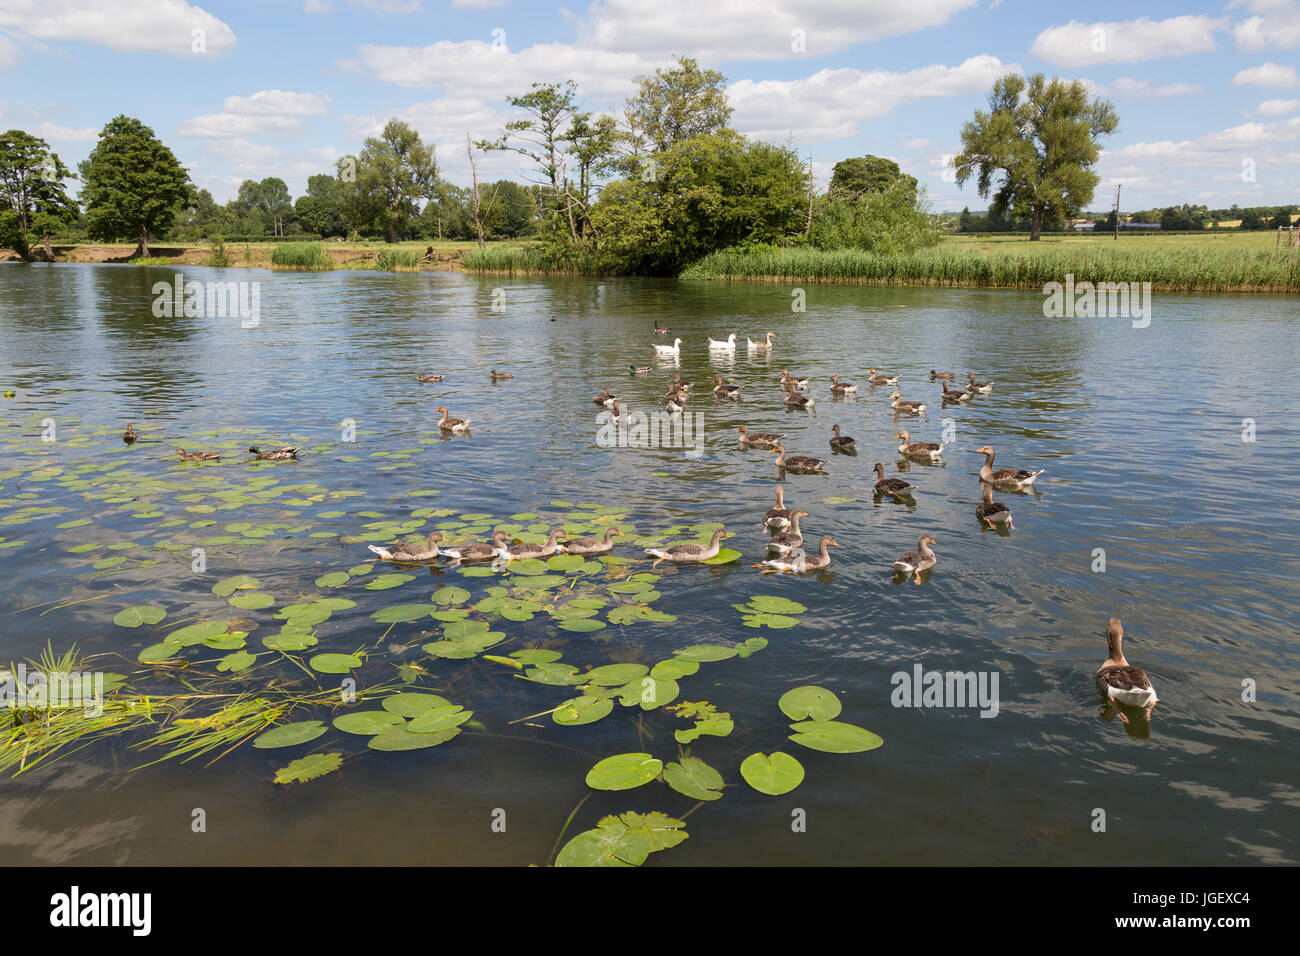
(1035, 147)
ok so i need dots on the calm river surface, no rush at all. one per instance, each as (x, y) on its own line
(1140, 432)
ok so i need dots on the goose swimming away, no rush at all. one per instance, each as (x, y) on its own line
(1017, 479)
(914, 562)
(1119, 681)
(954, 395)
(410, 551)
(276, 454)
(427, 379)
(725, 391)
(881, 378)
(795, 399)
(787, 379)
(993, 513)
(726, 346)
(517, 551)
(842, 443)
(842, 388)
(674, 349)
(688, 553)
(783, 542)
(500, 376)
(778, 517)
(660, 330)
(457, 426)
(984, 388)
(130, 435)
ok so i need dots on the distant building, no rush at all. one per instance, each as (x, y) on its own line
(1139, 225)
(1083, 225)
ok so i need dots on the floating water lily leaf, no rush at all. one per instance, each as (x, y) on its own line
(649, 693)
(581, 624)
(334, 579)
(288, 640)
(834, 737)
(139, 614)
(437, 719)
(399, 738)
(450, 595)
(367, 722)
(290, 735)
(411, 705)
(774, 775)
(593, 604)
(556, 674)
(240, 582)
(714, 725)
(775, 621)
(624, 772)
(622, 840)
(253, 600)
(673, 669)
(386, 581)
(694, 778)
(705, 653)
(402, 613)
(309, 768)
(334, 663)
(815, 703)
(238, 661)
(776, 605)
(616, 675)
(536, 656)
(724, 556)
(226, 642)
(582, 710)
(158, 652)
(197, 633)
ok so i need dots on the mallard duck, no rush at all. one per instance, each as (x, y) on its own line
(130, 435)
(518, 551)
(763, 346)
(799, 562)
(778, 517)
(1015, 478)
(276, 454)
(686, 553)
(923, 450)
(914, 562)
(410, 550)
(841, 388)
(842, 442)
(674, 349)
(993, 513)
(478, 551)
(725, 391)
(757, 439)
(910, 408)
(638, 369)
(984, 388)
(795, 400)
(1119, 681)
(727, 345)
(783, 542)
(428, 379)
(891, 486)
(805, 464)
(787, 379)
(448, 424)
(944, 375)
(659, 329)
(197, 455)
(954, 394)
(591, 545)
(500, 376)
(881, 378)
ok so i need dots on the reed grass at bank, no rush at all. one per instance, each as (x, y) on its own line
(301, 256)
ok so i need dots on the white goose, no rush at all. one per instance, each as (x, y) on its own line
(728, 346)
(674, 349)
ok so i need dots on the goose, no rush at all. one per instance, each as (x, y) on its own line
(984, 388)
(605, 398)
(638, 369)
(805, 464)
(841, 388)
(686, 553)
(676, 403)
(678, 384)
(896, 487)
(787, 379)
(954, 394)
(783, 542)
(725, 391)
(448, 424)
(427, 379)
(763, 346)
(500, 376)
(659, 329)
(410, 550)
(926, 450)
(727, 346)
(518, 551)
(799, 562)
(993, 513)
(478, 551)
(910, 408)
(591, 545)
(914, 562)
(757, 439)
(614, 413)
(197, 455)
(674, 349)
(130, 435)
(943, 375)
(842, 442)
(795, 400)
(276, 454)
(778, 517)
(1015, 478)
(1119, 681)
(881, 379)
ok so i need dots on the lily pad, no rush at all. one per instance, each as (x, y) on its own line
(582, 710)
(834, 737)
(694, 778)
(334, 663)
(290, 735)
(624, 772)
(805, 703)
(774, 775)
(139, 614)
(309, 768)
(367, 722)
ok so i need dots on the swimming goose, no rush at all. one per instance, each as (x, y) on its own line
(984, 388)
(427, 379)
(725, 391)
(763, 346)
(925, 450)
(604, 397)
(943, 375)
(197, 455)
(276, 454)
(805, 464)
(1015, 478)
(787, 379)
(910, 408)
(677, 383)
(783, 542)
(725, 346)
(795, 400)
(799, 561)
(478, 551)
(591, 545)
(891, 486)
(448, 424)
(881, 379)
(842, 442)
(954, 395)
(659, 329)
(757, 439)
(410, 550)
(676, 402)
(914, 562)
(674, 349)
(518, 551)
(500, 376)
(993, 513)
(686, 553)
(841, 388)
(778, 517)
(130, 435)
(1119, 681)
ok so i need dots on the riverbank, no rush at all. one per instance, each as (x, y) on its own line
(432, 256)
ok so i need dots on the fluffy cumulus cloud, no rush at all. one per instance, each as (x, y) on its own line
(1146, 90)
(57, 133)
(1266, 146)
(277, 103)
(1129, 41)
(159, 26)
(268, 111)
(1275, 24)
(1268, 74)
(1277, 107)
(9, 52)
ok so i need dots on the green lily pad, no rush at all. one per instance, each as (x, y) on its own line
(705, 653)
(412, 705)
(724, 556)
(385, 581)
(437, 719)
(334, 663)
(582, 710)
(776, 605)
(309, 768)
(624, 772)
(240, 582)
(290, 735)
(367, 722)
(399, 738)
(774, 775)
(694, 778)
(815, 703)
(253, 600)
(139, 614)
(834, 737)
(334, 579)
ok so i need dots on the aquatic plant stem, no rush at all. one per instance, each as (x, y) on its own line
(550, 860)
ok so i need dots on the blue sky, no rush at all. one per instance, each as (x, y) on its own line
(1208, 94)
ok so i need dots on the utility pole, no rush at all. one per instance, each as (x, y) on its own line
(1118, 187)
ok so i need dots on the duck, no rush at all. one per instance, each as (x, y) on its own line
(638, 369)
(910, 408)
(410, 550)
(518, 551)
(922, 559)
(984, 388)
(881, 378)
(896, 487)
(478, 551)
(763, 346)
(674, 349)
(197, 455)
(954, 394)
(796, 400)
(458, 426)
(276, 454)
(799, 562)
(725, 391)
(591, 545)
(783, 542)
(757, 439)
(660, 329)
(787, 379)
(688, 553)
(993, 513)
(778, 517)
(428, 379)
(1015, 478)
(841, 388)
(728, 345)
(605, 398)
(926, 450)
(797, 463)
(130, 435)
(842, 442)
(500, 376)
(943, 375)
(1119, 681)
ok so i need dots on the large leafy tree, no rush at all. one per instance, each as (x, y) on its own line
(676, 104)
(394, 174)
(1034, 148)
(32, 197)
(857, 176)
(318, 209)
(269, 198)
(133, 184)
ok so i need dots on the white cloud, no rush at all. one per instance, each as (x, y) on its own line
(1263, 144)
(1279, 26)
(159, 26)
(444, 123)
(397, 7)
(9, 52)
(316, 6)
(277, 103)
(479, 4)
(235, 126)
(1277, 107)
(1268, 74)
(1145, 90)
(1129, 41)
(56, 133)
